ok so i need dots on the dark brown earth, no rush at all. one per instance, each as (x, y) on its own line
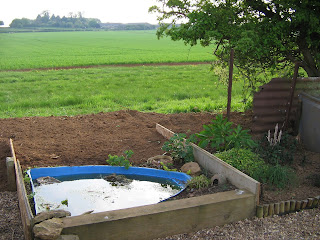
(88, 139)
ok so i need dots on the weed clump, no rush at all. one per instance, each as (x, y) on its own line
(199, 182)
(115, 160)
(179, 148)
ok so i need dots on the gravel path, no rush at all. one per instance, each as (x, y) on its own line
(301, 225)
(10, 222)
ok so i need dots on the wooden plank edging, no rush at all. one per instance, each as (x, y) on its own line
(285, 207)
(25, 209)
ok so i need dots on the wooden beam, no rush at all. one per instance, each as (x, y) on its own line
(25, 209)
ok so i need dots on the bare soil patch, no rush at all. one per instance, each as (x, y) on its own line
(88, 139)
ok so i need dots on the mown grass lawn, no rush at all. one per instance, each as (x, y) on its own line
(163, 89)
(61, 49)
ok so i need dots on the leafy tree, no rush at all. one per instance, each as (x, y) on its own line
(1, 23)
(266, 34)
(94, 23)
(44, 20)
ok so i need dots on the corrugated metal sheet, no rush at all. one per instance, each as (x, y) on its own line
(270, 104)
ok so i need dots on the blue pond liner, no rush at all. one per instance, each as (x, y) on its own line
(176, 178)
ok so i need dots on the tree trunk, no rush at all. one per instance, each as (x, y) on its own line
(312, 72)
(309, 62)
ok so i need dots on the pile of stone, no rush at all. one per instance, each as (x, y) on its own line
(49, 225)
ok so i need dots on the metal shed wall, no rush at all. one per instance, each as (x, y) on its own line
(270, 104)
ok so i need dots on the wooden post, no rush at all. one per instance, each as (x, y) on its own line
(230, 82)
(298, 205)
(287, 206)
(277, 208)
(271, 209)
(304, 204)
(281, 208)
(259, 211)
(316, 201)
(292, 205)
(310, 201)
(293, 86)
(11, 175)
(265, 210)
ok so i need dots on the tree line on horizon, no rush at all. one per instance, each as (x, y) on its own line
(75, 21)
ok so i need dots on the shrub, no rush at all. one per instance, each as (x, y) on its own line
(199, 182)
(280, 153)
(120, 161)
(221, 136)
(246, 161)
(179, 148)
(252, 164)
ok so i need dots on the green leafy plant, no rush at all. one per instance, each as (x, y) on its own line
(253, 165)
(276, 151)
(221, 136)
(26, 177)
(65, 202)
(199, 182)
(31, 195)
(115, 160)
(179, 148)
(246, 161)
(166, 168)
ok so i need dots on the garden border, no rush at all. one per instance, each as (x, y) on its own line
(163, 219)
(216, 166)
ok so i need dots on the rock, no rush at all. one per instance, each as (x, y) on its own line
(47, 180)
(117, 180)
(155, 161)
(48, 229)
(40, 217)
(192, 168)
(218, 179)
(68, 237)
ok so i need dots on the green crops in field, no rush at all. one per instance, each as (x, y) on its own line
(61, 49)
(164, 89)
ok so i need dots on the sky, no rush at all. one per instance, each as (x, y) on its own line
(115, 11)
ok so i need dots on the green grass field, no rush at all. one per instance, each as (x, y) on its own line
(60, 49)
(164, 89)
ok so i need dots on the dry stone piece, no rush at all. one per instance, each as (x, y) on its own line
(48, 229)
(155, 161)
(218, 179)
(47, 180)
(68, 237)
(191, 168)
(118, 180)
(40, 217)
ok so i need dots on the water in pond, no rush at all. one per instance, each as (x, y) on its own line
(83, 193)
